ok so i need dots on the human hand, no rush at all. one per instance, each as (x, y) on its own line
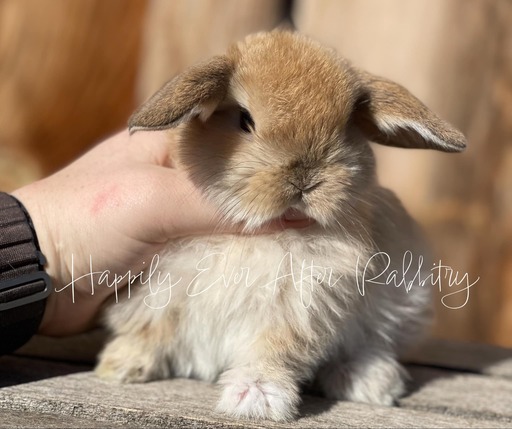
(117, 205)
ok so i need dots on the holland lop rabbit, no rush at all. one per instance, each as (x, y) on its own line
(278, 127)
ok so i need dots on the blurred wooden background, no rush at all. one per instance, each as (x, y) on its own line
(72, 71)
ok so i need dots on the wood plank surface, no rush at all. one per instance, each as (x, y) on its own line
(14, 420)
(182, 403)
(439, 399)
(459, 394)
(81, 348)
(465, 356)
(67, 78)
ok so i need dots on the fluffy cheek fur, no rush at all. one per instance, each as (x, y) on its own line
(253, 180)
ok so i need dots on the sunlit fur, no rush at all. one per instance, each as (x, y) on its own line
(300, 136)
(265, 313)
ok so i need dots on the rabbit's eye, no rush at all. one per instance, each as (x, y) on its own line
(246, 121)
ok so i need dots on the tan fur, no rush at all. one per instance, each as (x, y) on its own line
(184, 94)
(278, 66)
(383, 101)
(306, 150)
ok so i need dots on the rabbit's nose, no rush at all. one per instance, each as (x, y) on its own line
(302, 175)
(304, 186)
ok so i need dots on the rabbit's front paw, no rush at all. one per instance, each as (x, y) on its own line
(252, 397)
(125, 361)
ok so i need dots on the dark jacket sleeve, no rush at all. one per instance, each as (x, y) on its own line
(24, 285)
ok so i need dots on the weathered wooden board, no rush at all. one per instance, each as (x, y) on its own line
(462, 356)
(82, 348)
(186, 403)
(19, 370)
(452, 385)
(14, 420)
(460, 394)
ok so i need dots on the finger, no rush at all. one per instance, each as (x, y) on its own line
(272, 226)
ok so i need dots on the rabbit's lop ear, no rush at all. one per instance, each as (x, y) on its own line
(195, 92)
(388, 114)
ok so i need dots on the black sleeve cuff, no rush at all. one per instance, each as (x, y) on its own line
(24, 285)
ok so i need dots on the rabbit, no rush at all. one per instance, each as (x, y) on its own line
(279, 128)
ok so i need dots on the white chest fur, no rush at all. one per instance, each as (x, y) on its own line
(219, 295)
